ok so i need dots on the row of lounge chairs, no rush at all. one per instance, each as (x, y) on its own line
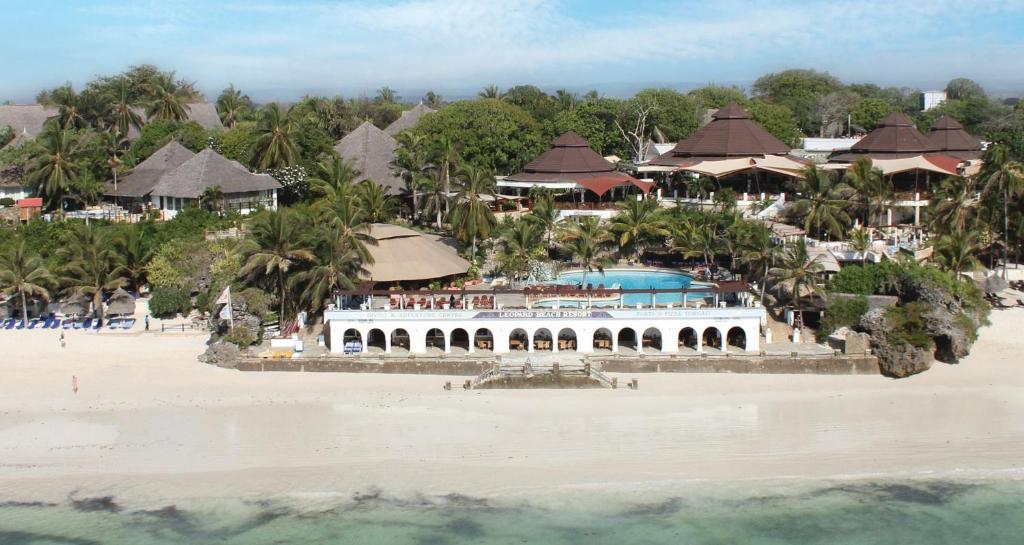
(52, 322)
(478, 302)
(567, 291)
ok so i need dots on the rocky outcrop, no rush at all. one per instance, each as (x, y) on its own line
(951, 341)
(222, 354)
(895, 359)
(241, 315)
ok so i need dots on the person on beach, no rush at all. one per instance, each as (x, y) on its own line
(146, 321)
(63, 344)
(74, 383)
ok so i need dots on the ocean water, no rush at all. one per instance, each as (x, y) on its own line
(907, 513)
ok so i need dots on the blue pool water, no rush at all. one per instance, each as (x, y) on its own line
(632, 279)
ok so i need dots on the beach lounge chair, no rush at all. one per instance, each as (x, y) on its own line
(8, 324)
(128, 323)
(85, 325)
(96, 325)
(20, 324)
(114, 323)
(33, 323)
(68, 323)
(55, 323)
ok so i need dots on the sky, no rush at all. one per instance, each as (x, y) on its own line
(282, 49)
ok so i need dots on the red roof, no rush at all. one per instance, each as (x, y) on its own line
(32, 202)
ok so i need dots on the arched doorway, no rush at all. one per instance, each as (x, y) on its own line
(400, 339)
(375, 339)
(542, 339)
(688, 338)
(483, 339)
(567, 339)
(651, 338)
(712, 338)
(435, 339)
(352, 341)
(737, 337)
(627, 338)
(518, 340)
(459, 338)
(603, 339)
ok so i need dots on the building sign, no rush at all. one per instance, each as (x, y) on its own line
(369, 316)
(543, 314)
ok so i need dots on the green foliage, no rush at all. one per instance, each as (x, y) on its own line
(717, 96)
(257, 302)
(240, 335)
(869, 112)
(799, 90)
(862, 280)
(238, 143)
(152, 137)
(595, 121)
(532, 100)
(193, 136)
(908, 325)
(168, 301)
(841, 312)
(777, 119)
(6, 201)
(675, 114)
(490, 133)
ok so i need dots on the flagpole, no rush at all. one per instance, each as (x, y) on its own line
(231, 312)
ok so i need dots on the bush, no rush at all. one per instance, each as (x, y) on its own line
(166, 302)
(863, 280)
(908, 325)
(241, 336)
(6, 201)
(842, 312)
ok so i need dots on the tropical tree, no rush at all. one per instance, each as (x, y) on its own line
(821, 202)
(334, 267)
(518, 247)
(860, 242)
(637, 224)
(491, 91)
(123, 106)
(870, 190)
(1002, 175)
(334, 175)
(91, 266)
(386, 95)
(544, 214)
(801, 272)
(343, 212)
(377, 205)
(275, 245)
(957, 251)
(472, 217)
(232, 105)
(445, 155)
(133, 253)
(275, 146)
(435, 198)
(585, 245)
(168, 99)
(51, 168)
(697, 237)
(70, 108)
(114, 146)
(759, 252)
(410, 161)
(954, 205)
(212, 199)
(23, 274)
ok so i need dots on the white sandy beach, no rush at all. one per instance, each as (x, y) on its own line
(150, 422)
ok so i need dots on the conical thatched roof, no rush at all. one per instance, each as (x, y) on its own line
(121, 302)
(210, 169)
(25, 119)
(949, 137)
(731, 133)
(76, 305)
(409, 119)
(373, 152)
(145, 175)
(570, 160)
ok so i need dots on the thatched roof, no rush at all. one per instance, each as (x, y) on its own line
(144, 177)
(210, 169)
(372, 151)
(204, 113)
(11, 176)
(404, 254)
(408, 119)
(121, 302)
(25, 119)
(731, 133)
(570, 160)
(895, 138)
(76, 305)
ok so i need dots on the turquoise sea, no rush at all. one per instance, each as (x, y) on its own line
(907, 513)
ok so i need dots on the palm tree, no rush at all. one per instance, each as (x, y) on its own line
(386, 95)
(333, 176)
(822, 203)
(697, 237)
(435, 199)
(52, 167)
(1001, 174)
(114, 145)
(870, 189)
(491, 91)
(341, 210)
(860, 242)
(334, 266)
(23, 273)
(410, 162)
(133, 253)
(168, 100)
(637, 223)
(378, 206)
(446, 153)
(585, 246)
(275, 246)
(957, 252)
(70, 108)
(544, 214)
(91, 267)
(231, 106)
(798, 269)
(759, 252)
(472, 217)
(518, 248)
(566, 100)
(123, 104)
(953, 205)
(212, 199)
(275, 147)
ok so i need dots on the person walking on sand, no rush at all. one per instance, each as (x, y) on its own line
(146, 321)
(74, 383)
(63, 344)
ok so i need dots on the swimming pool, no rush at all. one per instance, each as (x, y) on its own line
(633, 279)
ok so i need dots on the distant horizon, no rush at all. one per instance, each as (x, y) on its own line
(272, 49)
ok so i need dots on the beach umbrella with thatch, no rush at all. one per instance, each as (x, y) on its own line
(75, 305)
(121, 302)
(993, 284)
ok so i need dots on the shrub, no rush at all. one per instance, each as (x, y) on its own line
(908, 325)
(863, 280)
(241, 336)
(166, 302)
(842, 312)
(6, 201)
